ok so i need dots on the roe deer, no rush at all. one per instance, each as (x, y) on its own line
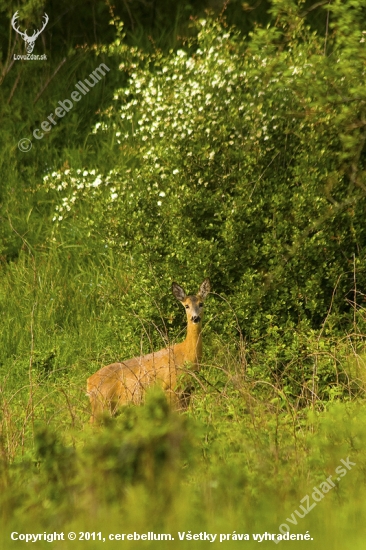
(122, 383)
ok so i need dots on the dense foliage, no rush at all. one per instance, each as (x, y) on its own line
(241, 159)
(247, 158)
(234, 155)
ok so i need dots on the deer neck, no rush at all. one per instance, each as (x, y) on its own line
(193, 342)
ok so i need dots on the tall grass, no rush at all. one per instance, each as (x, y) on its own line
(262, 430)
(240, 460)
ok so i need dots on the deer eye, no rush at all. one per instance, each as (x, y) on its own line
(201, 304)
(187, 306)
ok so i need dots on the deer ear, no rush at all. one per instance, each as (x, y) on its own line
(204, 289)
(178, 292)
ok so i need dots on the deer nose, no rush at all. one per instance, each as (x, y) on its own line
(196, 318)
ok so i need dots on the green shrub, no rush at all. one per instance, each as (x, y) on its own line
(240, 159)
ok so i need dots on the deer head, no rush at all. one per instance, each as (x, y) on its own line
(29, 40)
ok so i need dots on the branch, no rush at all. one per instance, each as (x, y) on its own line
(49, 80)
(314, 7)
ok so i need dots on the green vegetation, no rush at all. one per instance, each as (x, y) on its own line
(236, 153)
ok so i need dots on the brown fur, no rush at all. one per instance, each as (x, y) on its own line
(125, 382)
